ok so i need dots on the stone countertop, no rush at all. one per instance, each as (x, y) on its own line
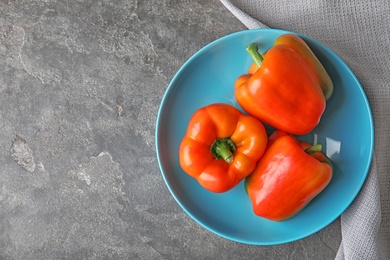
(80, 86)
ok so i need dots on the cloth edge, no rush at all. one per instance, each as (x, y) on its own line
(247, 20)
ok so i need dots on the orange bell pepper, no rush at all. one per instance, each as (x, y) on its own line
(288, 176)
(221, 146)
(287, 88)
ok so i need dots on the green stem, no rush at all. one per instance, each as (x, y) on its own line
(252, 49)
(315, 151)
(223, 149)
(314, 148)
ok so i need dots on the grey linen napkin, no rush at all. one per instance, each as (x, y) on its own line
(359, 32)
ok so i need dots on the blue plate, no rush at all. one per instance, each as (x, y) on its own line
(345, 131)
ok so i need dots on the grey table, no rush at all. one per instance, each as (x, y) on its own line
(80, 86)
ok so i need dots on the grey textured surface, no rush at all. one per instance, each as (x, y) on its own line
(80, 87)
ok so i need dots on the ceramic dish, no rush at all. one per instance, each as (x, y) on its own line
(345, 131)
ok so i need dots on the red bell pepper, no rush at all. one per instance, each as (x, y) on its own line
(288, 176)
(289, 89)
(221, 146)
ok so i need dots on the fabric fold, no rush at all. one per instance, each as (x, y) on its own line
(247, 20)
(360, 222)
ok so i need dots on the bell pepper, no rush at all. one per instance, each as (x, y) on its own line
(287, 88)
(221, 146)
(288, 176)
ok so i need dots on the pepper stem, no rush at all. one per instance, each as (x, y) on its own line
(223, 149)
(315, 151)
(252, 49)
(314, 148)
